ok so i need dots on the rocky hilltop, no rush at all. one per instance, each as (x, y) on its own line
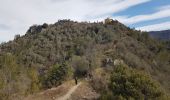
(48, 55)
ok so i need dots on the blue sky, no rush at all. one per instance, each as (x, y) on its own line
(146, 9)
(18, 15)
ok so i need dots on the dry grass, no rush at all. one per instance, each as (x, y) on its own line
(53, 93)
(84, 92)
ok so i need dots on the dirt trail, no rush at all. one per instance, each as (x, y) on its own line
(69, 93)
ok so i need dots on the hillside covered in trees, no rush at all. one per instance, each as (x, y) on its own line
(121, 63)
(161, 35)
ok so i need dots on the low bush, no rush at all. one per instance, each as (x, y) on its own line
(56, 75)
(129, 84)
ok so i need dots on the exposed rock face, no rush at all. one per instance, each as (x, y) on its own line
(37, 28)
(118, 62)
(110, 21)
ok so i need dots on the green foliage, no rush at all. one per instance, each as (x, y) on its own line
(9, 71)
(130, 84)
(13, 78)
(56, 75)
(83, 46)
(80, 65)
(35, 83)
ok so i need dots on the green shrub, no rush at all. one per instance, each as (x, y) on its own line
(56, 75)
(130, 84)
(35, 82)
(13, 78)
(80, 66)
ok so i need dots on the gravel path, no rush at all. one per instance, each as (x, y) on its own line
(68, 95)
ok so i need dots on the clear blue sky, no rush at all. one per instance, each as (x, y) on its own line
(18, 15)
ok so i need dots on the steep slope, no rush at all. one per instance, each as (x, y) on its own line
(65, 49)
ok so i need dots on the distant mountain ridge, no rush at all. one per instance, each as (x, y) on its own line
(161, 35)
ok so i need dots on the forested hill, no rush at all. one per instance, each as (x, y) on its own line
(161, 35)
(49, 54)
